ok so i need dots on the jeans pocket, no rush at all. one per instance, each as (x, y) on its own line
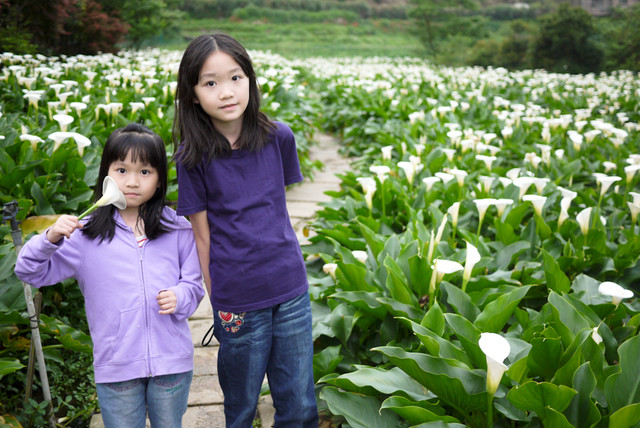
(124, 385)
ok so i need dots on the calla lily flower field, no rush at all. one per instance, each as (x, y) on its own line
(480, 264)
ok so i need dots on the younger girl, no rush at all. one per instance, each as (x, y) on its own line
(139, 273)
(233, 165)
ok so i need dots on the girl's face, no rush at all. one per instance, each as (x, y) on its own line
(222, 90)
(136, 180)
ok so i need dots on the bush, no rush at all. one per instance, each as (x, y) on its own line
(280, 16)
(566, 42)
(514, 47)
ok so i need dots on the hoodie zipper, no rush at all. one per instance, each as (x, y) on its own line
(145, 308)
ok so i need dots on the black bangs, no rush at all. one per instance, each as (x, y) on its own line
(141, 151)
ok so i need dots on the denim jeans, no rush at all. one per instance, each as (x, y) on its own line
(125, 404)
(276, 341)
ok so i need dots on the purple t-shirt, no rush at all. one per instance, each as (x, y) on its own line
(255, 259)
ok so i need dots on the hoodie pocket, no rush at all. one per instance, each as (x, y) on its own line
(129, 343)
(170, 337)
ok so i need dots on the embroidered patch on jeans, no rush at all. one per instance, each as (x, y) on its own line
(231, 322)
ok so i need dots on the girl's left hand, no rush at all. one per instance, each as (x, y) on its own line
(167, 301)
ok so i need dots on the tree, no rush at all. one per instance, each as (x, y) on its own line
(566, 42)
(624, 40)
(146, 19)
(426, 12)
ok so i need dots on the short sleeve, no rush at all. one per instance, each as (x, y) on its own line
(192, 189)
(289, 153)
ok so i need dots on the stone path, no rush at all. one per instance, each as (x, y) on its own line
(205, 398)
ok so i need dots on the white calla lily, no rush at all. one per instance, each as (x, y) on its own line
(537, 201)
(615, 291)
(360, 256)
(496, 348)
(330, 269)
(473, 257)
(454, 211)
(111, 194)
(583, 218)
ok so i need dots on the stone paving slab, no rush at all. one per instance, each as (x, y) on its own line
(205, 391)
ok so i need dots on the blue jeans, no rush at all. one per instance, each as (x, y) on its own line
(276, 341)
(125, 404)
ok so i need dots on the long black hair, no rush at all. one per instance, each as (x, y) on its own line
(147, 147)
(192, 126)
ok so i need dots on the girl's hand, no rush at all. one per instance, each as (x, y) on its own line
(167, 301)
(64, 226)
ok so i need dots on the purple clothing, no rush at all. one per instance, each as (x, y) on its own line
(255, 259)
(120, 282)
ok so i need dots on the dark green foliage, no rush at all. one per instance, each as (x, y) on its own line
(623, 39)
(254, 13)
(566, 42)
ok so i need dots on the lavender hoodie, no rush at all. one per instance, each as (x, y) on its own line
(119, 282)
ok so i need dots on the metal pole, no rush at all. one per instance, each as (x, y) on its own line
(9, 212)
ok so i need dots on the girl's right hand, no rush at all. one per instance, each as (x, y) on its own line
(64, 226)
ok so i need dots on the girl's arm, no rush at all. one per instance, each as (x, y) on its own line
(49, 258)
(200, 225)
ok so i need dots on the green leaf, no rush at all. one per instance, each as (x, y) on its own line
(366, 301)
(326, 361)
(623, 388)
(389, 382)
(505, 257)
(451, 381)
(438, 346)
(537, 396)
(42, 203)
(434, 319)
(374, 241)
(416, 412)
(625, 417)
(9, 365)
(582, 412)
(555, 277)
(341, 321)
(359, 410)
(460, 301)
(468, 335)
(397, 283)
(544, 356)
(495, 315)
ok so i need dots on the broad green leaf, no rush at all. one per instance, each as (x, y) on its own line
(468, 335)
(582, 412)
(625, 417)
(397, 283)
(366, 301)
(374, 241)
(505, 257)
(359, 410)
(9, 365)
(416, 412)
(544, 356)
(326, 361)
(495, 315)
(460, 301)
(420, 274)
(555, 277)
(43, 206)
(451, 381)
(353, 277)
(571, 321)
(341, 321)
(389, 382)
(398, 309)
(434, 319)
(623, 388)
(537, 396)
(438, 346)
